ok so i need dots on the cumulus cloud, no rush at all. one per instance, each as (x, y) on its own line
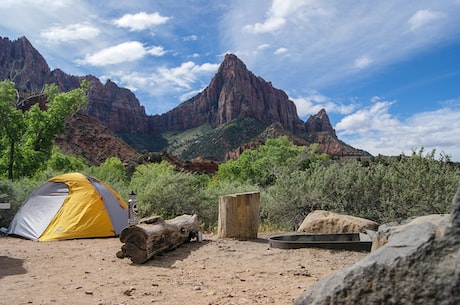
(313, 102)
(374, 117)
(156, 51)
(377, 131)
(69, 33)
(124, 52)
(276, 16)
(140, 21)
(165, 80)
(422, 18)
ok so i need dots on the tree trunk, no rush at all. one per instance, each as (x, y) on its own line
(239, 215)
(153, 236)
(11, 161)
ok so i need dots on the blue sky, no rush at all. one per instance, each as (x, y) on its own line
(387, 72)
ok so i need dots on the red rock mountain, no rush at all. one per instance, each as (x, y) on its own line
(233, 93)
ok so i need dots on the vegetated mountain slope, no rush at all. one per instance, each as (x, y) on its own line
(87, 137)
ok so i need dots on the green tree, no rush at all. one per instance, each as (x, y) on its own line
(264, 165)
(12, 125)
(61, 162)
(112, 172)
(27, 137)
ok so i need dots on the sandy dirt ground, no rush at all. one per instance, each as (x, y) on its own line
(214, 271)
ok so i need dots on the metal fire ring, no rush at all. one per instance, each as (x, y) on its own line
(336, 241)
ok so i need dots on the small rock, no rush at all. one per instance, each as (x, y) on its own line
(129, 291)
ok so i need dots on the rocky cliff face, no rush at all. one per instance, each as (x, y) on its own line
(319, 123)
(21, 63)
(115, 107)
(234, 92)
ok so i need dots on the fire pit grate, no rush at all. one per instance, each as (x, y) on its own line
(336, 241)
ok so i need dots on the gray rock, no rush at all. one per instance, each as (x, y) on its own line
(419, 265)
(388, 231)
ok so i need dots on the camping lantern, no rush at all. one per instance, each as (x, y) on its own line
(132, 213)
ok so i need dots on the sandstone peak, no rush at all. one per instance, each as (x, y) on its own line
(23, 64)
(320, 123)
(234, 93)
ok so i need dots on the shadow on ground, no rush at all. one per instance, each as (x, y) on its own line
(11, 266)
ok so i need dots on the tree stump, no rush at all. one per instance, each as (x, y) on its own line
(153, 236)
(239, 215)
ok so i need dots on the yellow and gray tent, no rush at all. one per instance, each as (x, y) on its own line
(71, 206)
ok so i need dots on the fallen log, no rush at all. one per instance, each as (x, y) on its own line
(154, 236)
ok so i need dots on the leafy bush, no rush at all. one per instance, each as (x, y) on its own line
(61, 162)
(6, 196)
(163, 191)
(113, 173)
(382, 191)
(262, 166)
(15, 192)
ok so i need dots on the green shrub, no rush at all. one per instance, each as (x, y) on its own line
(286, 203)
(63, 163)
(113, 173)
(386, 191)
(163, 191)
(16, 192)
(210, 203)
(7, 196)
(263, 165)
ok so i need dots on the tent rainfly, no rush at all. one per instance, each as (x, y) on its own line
(71, 206)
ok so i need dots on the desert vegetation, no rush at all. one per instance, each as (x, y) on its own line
(293, 180)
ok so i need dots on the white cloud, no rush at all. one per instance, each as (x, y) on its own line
(375, 130)
(373, 117)
(124, 52)
(45, 4)
(190, 94)
(422, 18)
(156, 51)
(190, 38)
(140, 21)
(69, 33)
(330, 41)
(362, 62)
(166, 80)
(276, 16)
(314, 101)
(281, 51)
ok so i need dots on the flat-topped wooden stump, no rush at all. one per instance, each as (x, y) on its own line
(239, 215)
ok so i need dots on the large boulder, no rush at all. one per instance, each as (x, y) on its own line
(388, 231)
(320, 221)
(419, 265)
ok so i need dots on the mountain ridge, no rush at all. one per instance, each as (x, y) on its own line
(233, 93)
